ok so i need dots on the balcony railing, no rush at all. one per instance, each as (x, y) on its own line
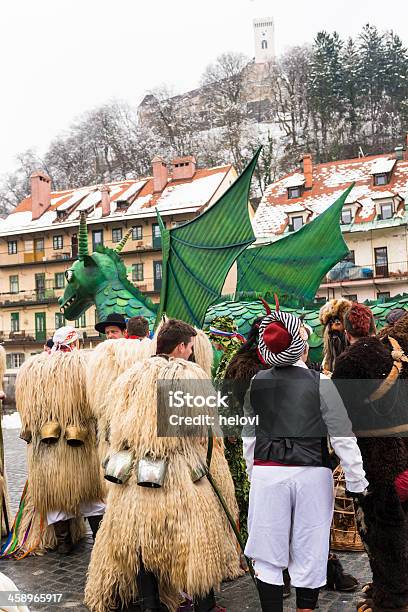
(41, 296)
(347, 271)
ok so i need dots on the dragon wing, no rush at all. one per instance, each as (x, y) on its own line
(294, 266)
(198, 255)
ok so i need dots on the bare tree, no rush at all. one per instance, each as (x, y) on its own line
(288, 77)
(224, 99)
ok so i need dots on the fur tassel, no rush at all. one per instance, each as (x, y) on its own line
(203, 352)
(105, 364)
(52, 388)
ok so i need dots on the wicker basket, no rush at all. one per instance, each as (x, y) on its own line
(344, 534)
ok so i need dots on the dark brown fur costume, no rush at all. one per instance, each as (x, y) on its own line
(383, 520)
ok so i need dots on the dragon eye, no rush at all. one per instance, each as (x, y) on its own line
(68, 275)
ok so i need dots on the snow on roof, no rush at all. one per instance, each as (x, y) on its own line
(329, 182)
(17, 220)
(77, 196)
(294, 208)
(296, 180)
(382, 166)
(182, 195)
(91, 199)
(267, 225)
(197, 192)
(138, 204)
(132, 190)
(382, 194)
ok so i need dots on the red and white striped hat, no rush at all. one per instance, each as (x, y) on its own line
(282, 339)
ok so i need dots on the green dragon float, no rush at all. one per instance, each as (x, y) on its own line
(197, 257)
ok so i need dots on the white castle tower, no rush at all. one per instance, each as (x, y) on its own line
(264, 33)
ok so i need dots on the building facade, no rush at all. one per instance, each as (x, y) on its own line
(373, 221)
(38, 243)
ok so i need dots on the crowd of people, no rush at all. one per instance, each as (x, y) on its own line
(164, 511)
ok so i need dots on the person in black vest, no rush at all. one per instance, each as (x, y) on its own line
(291, 496)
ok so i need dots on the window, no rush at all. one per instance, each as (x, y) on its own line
(386, 211)
(40, 326)
(380, 179)
(156, 236)
(264, 44)
(346, 216)
(97, 238)
(13, 281)
(381, 261)
(39, 245)
(81, 322)
(383, 295)
(14, 360)
(137, 232)
(59, 280)
(59, 320)
(157, 275)
(352, 297)
(330, 293)
(58, 242)
(15, 321)
(350, 257)
(12, 247)
(294, 192)
(137, 272)
(117, 234)
(40, 285)
(297, 223)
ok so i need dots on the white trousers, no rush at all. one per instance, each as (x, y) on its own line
(85, 509)
(290, 513)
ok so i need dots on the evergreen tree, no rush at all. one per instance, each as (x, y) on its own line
(372, 75)
(324, 88)
(396, 81)
(351, 90)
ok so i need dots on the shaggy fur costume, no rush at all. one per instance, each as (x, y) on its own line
(382, 519)
(333, 343)
(60, 477)
(104, 366)
(203, 352)
(4, 497)
(180, 530)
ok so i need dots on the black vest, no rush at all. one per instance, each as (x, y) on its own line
(290, 428)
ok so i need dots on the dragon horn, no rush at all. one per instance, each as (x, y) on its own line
(123, 241)
(277, 307)
(82, 237)
(266, 306)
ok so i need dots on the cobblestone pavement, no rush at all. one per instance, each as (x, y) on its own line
(54, 574)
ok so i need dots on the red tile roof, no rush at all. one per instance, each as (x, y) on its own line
(329, 181)
(190, 194)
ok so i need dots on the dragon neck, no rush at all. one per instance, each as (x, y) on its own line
(114, 296)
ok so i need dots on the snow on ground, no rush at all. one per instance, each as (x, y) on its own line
(11, 421)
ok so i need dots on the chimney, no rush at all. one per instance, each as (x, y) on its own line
(40, 193)
(399, 153)
(160, 174)
(184, 167)
(308, 170)
(105, 204)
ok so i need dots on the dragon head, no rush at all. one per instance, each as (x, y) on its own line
(89, 274)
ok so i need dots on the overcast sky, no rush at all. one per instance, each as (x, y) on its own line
(60, 58)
